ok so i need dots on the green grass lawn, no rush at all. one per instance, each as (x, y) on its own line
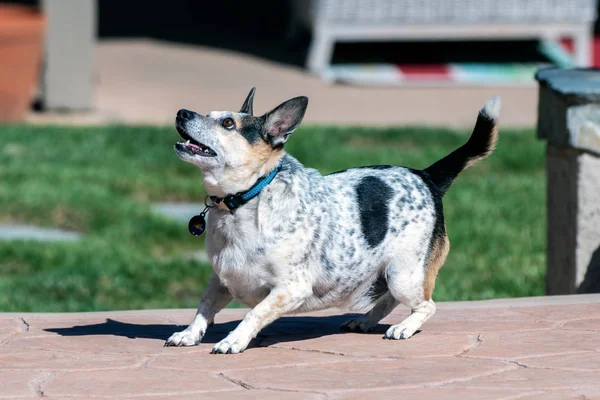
(100, 181)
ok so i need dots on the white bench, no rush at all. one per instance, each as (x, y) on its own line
(334, 21)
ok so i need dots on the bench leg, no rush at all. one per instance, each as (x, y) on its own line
(320, 51)
(582, 42)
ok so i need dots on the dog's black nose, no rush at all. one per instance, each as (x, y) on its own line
(185, 114)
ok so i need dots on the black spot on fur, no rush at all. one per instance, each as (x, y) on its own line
(327, 264)
(378, 288)
(402, 202)
(251, 128)
(373, 197)
(351, 250)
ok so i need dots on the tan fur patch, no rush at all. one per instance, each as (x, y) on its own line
(435, 260)
(251, 160)
(256, 160)
(275, 310)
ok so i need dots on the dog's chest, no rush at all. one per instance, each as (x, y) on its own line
(238, 255)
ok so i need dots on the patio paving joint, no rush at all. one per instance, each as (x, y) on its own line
(518, 364)
(475, 343)
(145, 362)
(38, 384)
(331, 353)
(237, 382)
(470, 378)
(24, 325)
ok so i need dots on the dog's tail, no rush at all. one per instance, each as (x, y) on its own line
(481, 144)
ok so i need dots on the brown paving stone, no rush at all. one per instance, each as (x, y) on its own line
(523, 351)
(432, 393)
(588, 324)
(580, 394)
(373, 345)
(497, 314)
(277, 395)
(368, 374)
(530, 344)
(536, 379)
(127, 73)
(17, 383)
(237, 395)
(99, 344)
(8, 328)
(588, 361)
(105, 383)
(251, 358)
(88, 323)
(51, 360)
(486, 325)
(562, 312)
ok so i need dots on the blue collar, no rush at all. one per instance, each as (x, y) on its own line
(234, 201)
(197, 223)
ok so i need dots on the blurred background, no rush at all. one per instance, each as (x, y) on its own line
(94, 204)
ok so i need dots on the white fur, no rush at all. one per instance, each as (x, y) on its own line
(492, 108)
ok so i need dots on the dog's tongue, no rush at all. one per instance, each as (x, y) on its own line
(192, 145)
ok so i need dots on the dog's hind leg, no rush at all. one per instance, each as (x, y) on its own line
(415, 289)
(421, 312)
(368, 321)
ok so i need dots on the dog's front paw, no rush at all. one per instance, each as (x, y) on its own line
(232, 344)
(187, 337)
(400, 331)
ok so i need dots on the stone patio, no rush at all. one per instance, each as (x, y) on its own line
(147, 81)
(537, 348)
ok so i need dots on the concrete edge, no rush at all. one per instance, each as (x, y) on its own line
(477, 304)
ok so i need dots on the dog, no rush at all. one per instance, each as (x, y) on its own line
(365, 239)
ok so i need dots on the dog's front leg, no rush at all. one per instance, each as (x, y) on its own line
(280, 300)
(214, 298)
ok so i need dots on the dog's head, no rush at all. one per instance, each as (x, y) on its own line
(238, 146)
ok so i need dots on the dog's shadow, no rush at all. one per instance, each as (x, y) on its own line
(285, 329)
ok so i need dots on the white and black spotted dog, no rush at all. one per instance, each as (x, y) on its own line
(366, 238)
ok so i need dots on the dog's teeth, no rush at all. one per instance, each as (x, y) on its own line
(187, 143)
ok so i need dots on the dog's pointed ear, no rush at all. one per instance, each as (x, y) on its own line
(284, 119)
(247, 107)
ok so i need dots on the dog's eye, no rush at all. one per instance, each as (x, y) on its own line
(228, 123)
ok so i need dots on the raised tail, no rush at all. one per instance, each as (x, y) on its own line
(481, 144)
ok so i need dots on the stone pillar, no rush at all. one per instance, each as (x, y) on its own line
(67, 81)
(569, 120)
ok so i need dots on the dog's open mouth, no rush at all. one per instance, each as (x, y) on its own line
(192, 146)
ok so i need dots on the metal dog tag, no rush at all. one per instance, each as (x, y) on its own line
(197, 225)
